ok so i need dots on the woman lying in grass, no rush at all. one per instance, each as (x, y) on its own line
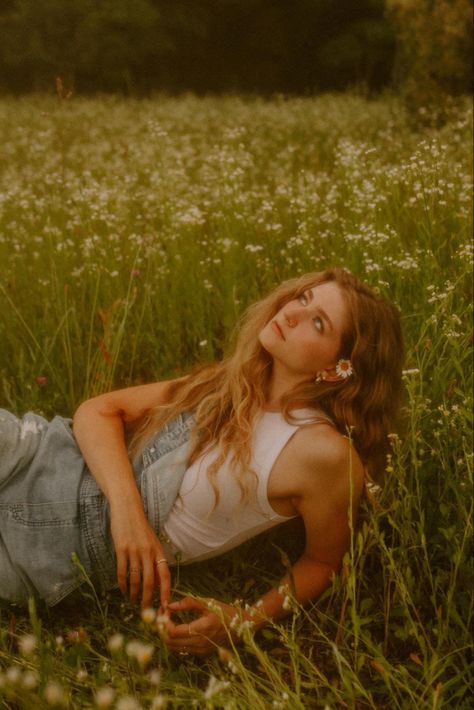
(293, 423)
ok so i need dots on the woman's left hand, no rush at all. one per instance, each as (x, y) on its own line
(204, 634)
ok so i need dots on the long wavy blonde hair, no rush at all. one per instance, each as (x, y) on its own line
(225, 397)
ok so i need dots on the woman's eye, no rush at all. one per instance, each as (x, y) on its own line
(318, 324)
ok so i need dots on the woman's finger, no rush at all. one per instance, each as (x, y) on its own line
(195, 646)
(148, 582)
(186, 604)
(122, 571)
(183, 631)
(134, 571)
(164, 579)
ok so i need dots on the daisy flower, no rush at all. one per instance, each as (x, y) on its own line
(344, 368)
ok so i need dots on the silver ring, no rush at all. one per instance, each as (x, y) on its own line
(161, 560)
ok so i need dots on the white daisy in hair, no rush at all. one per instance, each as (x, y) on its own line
(344, 368)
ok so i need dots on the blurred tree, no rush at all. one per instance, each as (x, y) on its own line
(96, 43)
(203, 45)
(362, 54)
(278, 45)
(115, 42)
(180, 60)
(434, 49)
(339, 44)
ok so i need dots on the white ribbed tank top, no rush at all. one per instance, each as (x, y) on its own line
(195, 529)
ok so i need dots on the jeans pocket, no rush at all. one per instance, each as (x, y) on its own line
(46, 515)
(41, 539)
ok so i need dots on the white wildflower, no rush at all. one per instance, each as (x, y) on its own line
(213, 606)
(232, 667)
(30, 680)
(148, 615)
(241, 627)
(373, 488)
(192, 216)
(13, 675)
(115, 643)
(154, 677)
(162, 623)
(27, 644)
(127, 702)
(54, 694)
(141, 652)
(104, 697)
(214, 687)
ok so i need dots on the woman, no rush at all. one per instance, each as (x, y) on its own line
(291, 424)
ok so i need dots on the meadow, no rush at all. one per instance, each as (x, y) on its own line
(133, 233)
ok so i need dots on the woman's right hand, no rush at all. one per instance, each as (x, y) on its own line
(99, 428)
(140, 556)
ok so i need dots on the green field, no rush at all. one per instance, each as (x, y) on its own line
(132, 235)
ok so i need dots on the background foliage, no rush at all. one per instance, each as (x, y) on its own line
(137, 46)
(434, 56)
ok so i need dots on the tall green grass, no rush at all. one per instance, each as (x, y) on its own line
(132, 236)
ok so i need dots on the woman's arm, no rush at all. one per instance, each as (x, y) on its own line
(329, 484)
(327, 491)
(99, 427)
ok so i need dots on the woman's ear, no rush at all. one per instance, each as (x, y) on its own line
(329, 375)
(341, 371)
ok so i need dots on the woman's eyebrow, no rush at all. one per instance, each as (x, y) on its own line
(310, 296)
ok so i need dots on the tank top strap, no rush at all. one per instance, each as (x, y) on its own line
(271, 434)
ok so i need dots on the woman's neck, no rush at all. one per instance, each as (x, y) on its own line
(279, 385)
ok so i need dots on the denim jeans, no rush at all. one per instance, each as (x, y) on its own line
(51, 506)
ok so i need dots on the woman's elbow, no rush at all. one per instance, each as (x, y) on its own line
(93, 407)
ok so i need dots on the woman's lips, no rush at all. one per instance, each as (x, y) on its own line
(277, 329)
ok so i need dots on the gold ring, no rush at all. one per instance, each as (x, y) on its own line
(161, 560)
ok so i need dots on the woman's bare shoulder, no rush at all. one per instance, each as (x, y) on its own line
(323, 456)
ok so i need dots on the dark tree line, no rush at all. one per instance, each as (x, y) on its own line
(139, 46)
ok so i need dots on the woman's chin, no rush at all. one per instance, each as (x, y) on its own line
(266, 338)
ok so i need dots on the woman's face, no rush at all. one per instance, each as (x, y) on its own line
(304, 337)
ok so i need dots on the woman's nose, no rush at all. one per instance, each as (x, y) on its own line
(293, 316)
